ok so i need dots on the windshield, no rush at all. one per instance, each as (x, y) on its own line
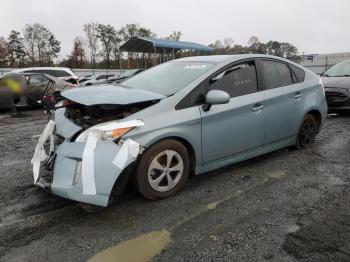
(168, 78)
(341, 69)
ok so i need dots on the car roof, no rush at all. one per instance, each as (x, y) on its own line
(226, 58)
(43, 68)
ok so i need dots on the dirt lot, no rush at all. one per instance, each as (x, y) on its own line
(285, 206)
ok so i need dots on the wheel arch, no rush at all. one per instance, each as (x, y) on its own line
(317, 115)
(186, 143)
(121, 183)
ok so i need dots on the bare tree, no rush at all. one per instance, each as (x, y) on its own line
(29, 37)
(253, 40)
(4, 52)
(77, 56)
(42, 45)
(90, 30)
(106, 34)
(134, 30)
(16, 49)
(175, 35)
(228, 42)
(115, 49)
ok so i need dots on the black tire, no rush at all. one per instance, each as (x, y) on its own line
(307, 132)
(141, 175)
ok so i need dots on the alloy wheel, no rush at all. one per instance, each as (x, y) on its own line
(165, 170)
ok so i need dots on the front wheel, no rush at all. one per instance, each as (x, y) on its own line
(163, 169)
(307, 132)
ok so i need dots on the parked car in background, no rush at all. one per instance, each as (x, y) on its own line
(123, 76)
(59, 72)
(12, 88)
(336, 80)
(97, 79)
(45, 90)
(189, 115)
(84, 78)
(35, 90)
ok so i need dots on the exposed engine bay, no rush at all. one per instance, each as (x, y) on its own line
(87, 116)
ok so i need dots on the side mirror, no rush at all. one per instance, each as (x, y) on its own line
(215, 97)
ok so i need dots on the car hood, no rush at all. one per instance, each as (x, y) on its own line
(109, 94)
(342, 82)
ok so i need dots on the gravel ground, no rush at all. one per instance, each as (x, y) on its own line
(288, 205)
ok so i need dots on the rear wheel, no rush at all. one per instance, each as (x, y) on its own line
(163, 169)
(307, 132)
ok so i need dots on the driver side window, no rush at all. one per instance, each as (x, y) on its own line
(237, 80)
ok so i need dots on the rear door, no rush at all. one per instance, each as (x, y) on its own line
(283, 100)
(238, 126)
(36, 86)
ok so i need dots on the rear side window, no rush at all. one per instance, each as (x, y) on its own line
(299, 74)
(237, 80)
(275, 74)
(36, 79)
(35, 71)
(57, 73)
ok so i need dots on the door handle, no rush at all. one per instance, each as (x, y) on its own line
(257, 107)
(298, 95)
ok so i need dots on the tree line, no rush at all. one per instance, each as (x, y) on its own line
(100, 47)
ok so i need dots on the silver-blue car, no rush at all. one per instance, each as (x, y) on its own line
(183, 117)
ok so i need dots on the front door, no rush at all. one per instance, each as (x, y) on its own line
(238, 126)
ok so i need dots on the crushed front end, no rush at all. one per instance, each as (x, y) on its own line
(87, 151)
(73, 142)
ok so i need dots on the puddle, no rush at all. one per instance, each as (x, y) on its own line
(139, 249)
(145, 247)
(277, 174)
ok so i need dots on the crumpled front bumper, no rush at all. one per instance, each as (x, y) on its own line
(66, 161)
(67, 172)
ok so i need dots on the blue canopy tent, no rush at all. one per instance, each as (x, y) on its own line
(162, 47)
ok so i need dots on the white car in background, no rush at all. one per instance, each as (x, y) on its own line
(59, 72)
(97, 79)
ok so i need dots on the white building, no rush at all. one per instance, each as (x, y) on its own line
(318, 63)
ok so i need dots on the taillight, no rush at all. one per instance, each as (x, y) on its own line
(49, 99)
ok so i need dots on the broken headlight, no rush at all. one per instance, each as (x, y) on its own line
(110, 131)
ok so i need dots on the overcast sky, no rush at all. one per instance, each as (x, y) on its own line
(313, 26)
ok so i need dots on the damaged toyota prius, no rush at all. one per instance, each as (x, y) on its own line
(186, 116)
